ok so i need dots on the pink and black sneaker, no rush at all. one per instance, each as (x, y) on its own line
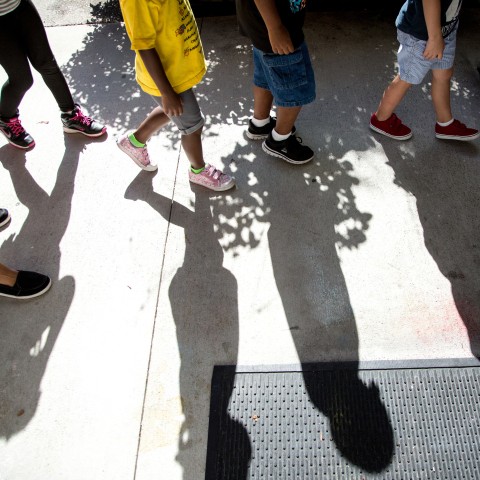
(78, 122)
(14, 132)
(392, 127)
(456, 131)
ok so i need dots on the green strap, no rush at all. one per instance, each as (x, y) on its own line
(135, 142)
(197, 171)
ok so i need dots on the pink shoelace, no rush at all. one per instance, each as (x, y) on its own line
(80, 117)
(15, 126)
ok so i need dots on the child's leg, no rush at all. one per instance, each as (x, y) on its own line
(392, 96)
(34, 37)
(441, 94)
(154, 122)
(286, 117)
(192, 144)
(262, 103)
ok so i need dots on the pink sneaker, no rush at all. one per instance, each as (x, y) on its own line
(456, 131)
(138, 154)
(392, 127)
(212, 178)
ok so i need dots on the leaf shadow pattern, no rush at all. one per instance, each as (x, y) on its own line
(33, 326)
(308, 214)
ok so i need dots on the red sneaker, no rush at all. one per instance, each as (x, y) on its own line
(456, 131)
(392, 127)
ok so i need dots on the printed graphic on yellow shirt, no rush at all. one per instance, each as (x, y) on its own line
(188, 29)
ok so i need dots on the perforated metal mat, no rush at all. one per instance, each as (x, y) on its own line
(339, 422)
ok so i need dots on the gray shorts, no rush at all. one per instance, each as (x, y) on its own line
(413, 66)
(191, 119)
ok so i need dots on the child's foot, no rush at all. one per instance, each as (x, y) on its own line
(138, 154)
(78, 122)
(28, 285)
(291, 150)
(212, 178)
(15, 133)
(4, 217)
(392, 127)
(260, 133)
(456, 131)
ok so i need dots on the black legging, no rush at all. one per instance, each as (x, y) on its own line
(23, 38)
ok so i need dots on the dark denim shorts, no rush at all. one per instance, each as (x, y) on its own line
(289, 78)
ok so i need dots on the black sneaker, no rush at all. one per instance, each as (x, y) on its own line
(15, 133)
(260, 133)
(28, 285)
(291, 150)
(4, 217)
(78, 122)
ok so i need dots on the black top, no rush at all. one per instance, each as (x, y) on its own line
(411, 18)
(251, 24)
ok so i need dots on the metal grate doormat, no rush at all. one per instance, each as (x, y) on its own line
(337, 422)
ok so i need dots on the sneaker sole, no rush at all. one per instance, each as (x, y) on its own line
(147, 168)
(7, 220)
(41, 292)
(382, 132)
(93, 135)
(228, 186)
(274, 153)
(256, 136)
(456, 137)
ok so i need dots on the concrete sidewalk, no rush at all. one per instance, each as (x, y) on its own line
(371, 252)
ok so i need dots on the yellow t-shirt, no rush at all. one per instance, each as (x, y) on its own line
(169, 26)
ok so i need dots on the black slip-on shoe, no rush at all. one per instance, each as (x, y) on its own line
(28, 285)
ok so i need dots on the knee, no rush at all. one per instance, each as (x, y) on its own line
(22, 82)
(443, 75)
(49, 67)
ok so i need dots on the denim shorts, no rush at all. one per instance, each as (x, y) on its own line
(191, 119)
(413, 66)
(289, 78)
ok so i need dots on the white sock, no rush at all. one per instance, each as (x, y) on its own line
(277, 137)
(446, 124)
(260, 123)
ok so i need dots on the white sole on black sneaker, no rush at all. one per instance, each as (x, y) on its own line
(4, 222)
(93, 135)
(403, 137)
(274, 153)
(256, 136)
(28, 297)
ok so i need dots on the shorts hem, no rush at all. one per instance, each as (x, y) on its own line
(299, 103)
(193, 129)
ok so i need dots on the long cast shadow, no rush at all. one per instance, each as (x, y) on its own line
(445, 182)
(204, 302)
(32, 328)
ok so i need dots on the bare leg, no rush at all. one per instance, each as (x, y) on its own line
(7, 276)
(392, 96)
(286, 117)
(192, 144)
(441, 94)
(154, 122)
(262, 103)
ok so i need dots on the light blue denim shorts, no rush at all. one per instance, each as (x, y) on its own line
(289, 78)
(191, 119)
(413, 66)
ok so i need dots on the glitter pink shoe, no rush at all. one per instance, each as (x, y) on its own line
(212, 178)
(138, 154)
